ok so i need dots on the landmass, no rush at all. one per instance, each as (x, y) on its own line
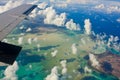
(109, 63)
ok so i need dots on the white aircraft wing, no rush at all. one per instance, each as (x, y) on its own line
(8, 21)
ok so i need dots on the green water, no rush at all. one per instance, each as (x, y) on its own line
(36, 65)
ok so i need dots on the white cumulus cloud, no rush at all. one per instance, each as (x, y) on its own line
(20, 40)
(74, 49)
(29, 40)
(94, 61)
(72, 26)
(108, 8)
(52, 18)
(87, 26)
(100, 6)
(29, 29)
(118, 20)
(53, 75)
(10, 4)
(54, 53)
(87, 70)
(38, 47)
(42, 5)
(10, 72)
(64, 66)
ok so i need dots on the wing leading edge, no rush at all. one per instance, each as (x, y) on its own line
(8, 21)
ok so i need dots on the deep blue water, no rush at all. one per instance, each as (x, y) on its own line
(102, 22)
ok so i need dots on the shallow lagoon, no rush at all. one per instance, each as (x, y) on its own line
(37, 64)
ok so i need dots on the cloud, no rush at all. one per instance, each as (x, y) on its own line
(64, 67)
(72, 26)
(87, 26)
(118, 20)
(54, 53)
(34, 14)
(83, 41)
(113, 9)
(5, 40)
(79, 1)
(29, 40)
(53, 75)
(94, 61)
(38, 47)
(75, 1)
(35, 39)
(108, 8)
(42, 5)
(29, 29)
(60, 5)
(59, 20)
(113, 39)
(100, 6)
(10, 72)
(20, 40)
(32, 2)
(87, 70)
(10, 4)
(74, 49)
(21, 27)
(112, 42)
(52, 0)
(51, 17)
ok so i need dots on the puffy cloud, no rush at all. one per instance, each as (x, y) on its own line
(59, 20)
(61, 5)
(94, 61)
(83, 41)
(75, 1)
(34, 14)
(74, 49)
(87, 70)
(20, 40)
(72, 26)
(21, 27)
(22, 34)
(10, 72)
(113, 9)
(53, 75)
(54, 53)
(52, 18)
(79, 1)
(42, 5)
(5, 40)
(118, 20)
(8, 6)
(87, 26)
(34, 2)
(52, 0)
(113, 39)
(35, 39)
(29, 40)
(38, 47)
(108, 8)
(29, 29)
(100, 6)
(112, 42)
(63, 64)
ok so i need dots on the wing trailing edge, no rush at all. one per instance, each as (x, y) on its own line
(8, 21)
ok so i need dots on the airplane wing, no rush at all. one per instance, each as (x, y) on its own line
(8, 21)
